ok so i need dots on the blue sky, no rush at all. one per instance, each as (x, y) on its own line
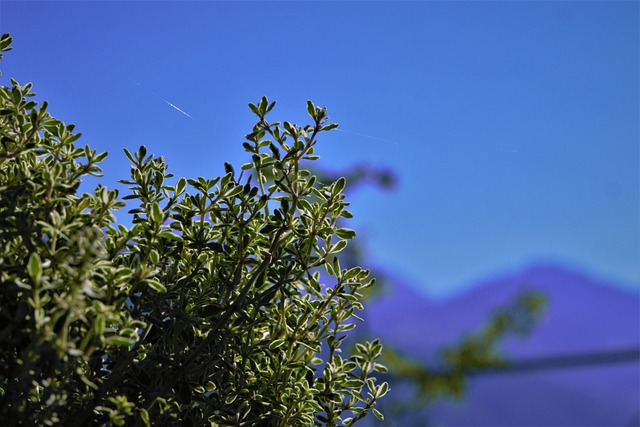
(513, 127)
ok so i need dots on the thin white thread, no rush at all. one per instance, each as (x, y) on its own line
(349, 131)
(507, 150)
(369, 136)
(164, 100)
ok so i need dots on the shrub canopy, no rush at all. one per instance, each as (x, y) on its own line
(224, 303)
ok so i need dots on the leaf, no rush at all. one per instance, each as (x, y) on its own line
(144, 415)
(329, 268)
(228, 168)
(382, 389)
(329, 127)
(156, 214)
(339, 246)
(276, 343)
(339, 185)
(268, 228)
(100, 157)
(336, 265)
(347, 327)
(354, 383)
(35, 267)
(156, 285)
(119, 341)
(141, 154)
(371, 385)
(235, 190)
(380, 368)
(215, 246)
(311, 109)
(346, 214)
(180, 186)
(263, 105)
(254, 109)
(275, 151)
(377, 413)
(345, 233)
(5, 42)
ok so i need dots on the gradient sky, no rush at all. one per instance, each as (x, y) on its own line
(513, 127)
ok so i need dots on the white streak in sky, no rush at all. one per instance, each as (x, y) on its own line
(513, 151)
(351, 132)
(164, 100)
(369, 136)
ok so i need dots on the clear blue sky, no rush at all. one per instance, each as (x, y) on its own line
(513, 127)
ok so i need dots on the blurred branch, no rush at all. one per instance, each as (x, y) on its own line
(565, 361)
(477, 352)
(357, 176)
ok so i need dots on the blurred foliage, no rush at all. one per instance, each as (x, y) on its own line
(447, 376)
(224, 304)
(418, 383)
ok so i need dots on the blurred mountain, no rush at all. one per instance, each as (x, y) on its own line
(584, 316)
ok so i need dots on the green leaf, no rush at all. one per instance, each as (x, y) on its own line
(180, 186)
(100, 157)
(354, 383)
(347, 327)
(235, 191)
(377, 413)
(228, 168)
(336, 265)
(119, 341)
(168, 234)
(311, 109)
(339, 185)
(380, 368)
(262, 107)
(144, 415)
(156, 214)
(371, 384)
(5, 42)
(329, 127)
(339, 246)
(346, 214)
(254, 109)
(329, 268)
(215, 246)
(142, 153)
(35, 267)
(345, 233)
(276, 343)
(156, 285)
(382, 390)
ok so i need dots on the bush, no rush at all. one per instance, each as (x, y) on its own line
(212, 308)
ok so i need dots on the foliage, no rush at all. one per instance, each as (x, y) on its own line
(475, 353)
(417, 384)
(212, 308)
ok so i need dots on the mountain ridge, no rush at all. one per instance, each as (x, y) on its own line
(584, 315)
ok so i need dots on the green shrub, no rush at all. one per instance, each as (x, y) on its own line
(213, 308)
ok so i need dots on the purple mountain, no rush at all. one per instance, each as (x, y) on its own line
(583, 316)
